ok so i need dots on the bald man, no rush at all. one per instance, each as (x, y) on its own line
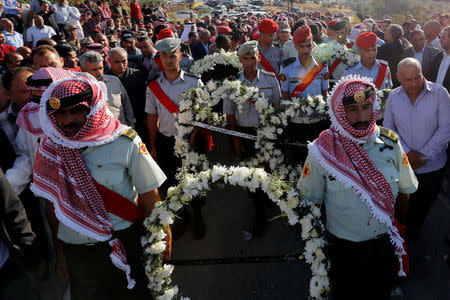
(432, 30)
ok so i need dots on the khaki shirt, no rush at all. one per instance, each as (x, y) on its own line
(347, 217)
(122, 167)
(175, 92)
(268, 84)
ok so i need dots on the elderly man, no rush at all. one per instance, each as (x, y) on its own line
(134, 82)
(432, 31)
(419, 112)
(96, 202)
(369, 66)
(358, 171)
(424, 54)
(118, 100)
(392, 50)
(38, 31)
(270, 55)
(201, 48)
(12, 37)
(4, 49)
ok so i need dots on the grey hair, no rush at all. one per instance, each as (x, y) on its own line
(90, 56)
(118, 50)
(409, 62)
(396, 31)
(203, 33)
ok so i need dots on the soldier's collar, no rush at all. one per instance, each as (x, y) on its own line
(242, 76)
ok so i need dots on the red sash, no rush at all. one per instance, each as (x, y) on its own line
(265, 63)
(159, 63)
(307, 80)
(173, 109)
(119, 205)
(162, 97)
(380, 76)
(336, 63)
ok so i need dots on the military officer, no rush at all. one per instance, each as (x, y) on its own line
(303, 75)
(359, 171)
(338, 31)
(270, 55)
(156, 65)
(162, 100)
(369, 66)
(247, 120)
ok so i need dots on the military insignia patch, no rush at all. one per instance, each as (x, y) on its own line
(405, 160)
(305, 171)
(326, 76)
(282, 77)
(142, 148)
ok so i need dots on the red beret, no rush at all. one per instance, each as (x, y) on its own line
(224, 30)
(366, 40)
(302, 34)
(268, 26)
(331, 23)
(165, 33)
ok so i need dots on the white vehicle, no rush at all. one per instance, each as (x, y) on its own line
(184, 14)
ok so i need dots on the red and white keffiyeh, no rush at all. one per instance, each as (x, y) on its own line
(28, 117)
(60, 174)
(339, 151)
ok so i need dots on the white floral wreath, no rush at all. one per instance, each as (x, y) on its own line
(334, 50)
(288, 199)
(197, 175)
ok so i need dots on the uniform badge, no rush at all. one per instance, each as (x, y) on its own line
(405, 160)
(54, 102)
(359, 96)
(282, 77)
(142, 148)
(305, 171)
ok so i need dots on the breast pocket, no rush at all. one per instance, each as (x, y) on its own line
(116, 99)
(337, 194)
(107, 177)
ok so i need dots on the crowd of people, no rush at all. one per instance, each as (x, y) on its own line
(89, 93)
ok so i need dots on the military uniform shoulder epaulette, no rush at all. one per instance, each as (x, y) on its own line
(383, 62)
(287, 62)
(130, 133)
(192, 74)
(389, 134)
(267, 73)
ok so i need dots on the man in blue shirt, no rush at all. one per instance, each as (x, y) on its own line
(13, 11)
(12, 37)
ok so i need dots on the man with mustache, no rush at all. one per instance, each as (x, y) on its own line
(303, 76)
(97, 201)
(361, 174)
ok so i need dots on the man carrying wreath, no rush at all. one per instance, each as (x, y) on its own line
(361, 174)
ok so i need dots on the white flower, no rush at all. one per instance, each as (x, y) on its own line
(166, 217)
(169, 294)
(158, 247)
(293, 202)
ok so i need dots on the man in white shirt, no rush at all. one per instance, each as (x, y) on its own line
(440, 66)
(432, 30)
(39, 31)
(424, 54)
(63, 14)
